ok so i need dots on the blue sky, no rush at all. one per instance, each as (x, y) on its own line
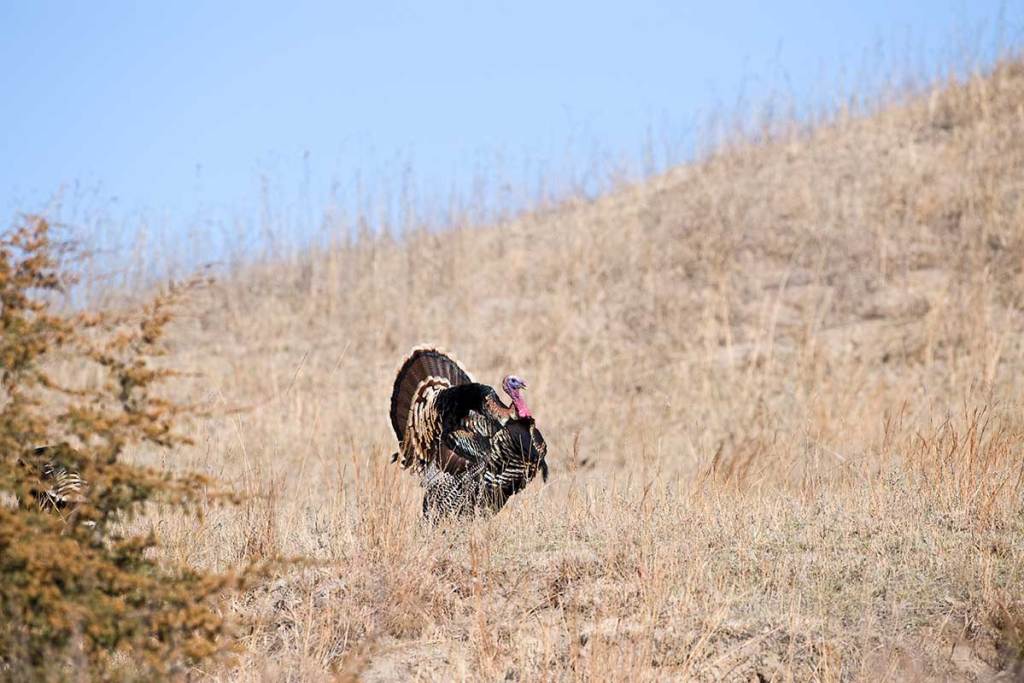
(172, 109)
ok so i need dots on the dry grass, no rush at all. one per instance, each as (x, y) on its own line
(782, 393)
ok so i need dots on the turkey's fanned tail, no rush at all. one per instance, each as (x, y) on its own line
(423, 362)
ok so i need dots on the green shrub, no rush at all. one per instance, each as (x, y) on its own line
(82, 595)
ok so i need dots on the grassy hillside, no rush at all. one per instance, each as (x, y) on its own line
(781, 388)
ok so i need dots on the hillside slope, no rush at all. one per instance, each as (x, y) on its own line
(781, 391)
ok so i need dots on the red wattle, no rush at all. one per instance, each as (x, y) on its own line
(521, 410)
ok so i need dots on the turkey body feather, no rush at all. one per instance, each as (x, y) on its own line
(57, 485)
(472, 451)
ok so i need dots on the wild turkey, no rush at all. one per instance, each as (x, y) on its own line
(472, 451)
(58, 488)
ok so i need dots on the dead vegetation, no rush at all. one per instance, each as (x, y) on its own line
(781, 391)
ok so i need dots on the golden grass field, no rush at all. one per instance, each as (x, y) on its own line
(781, 389)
